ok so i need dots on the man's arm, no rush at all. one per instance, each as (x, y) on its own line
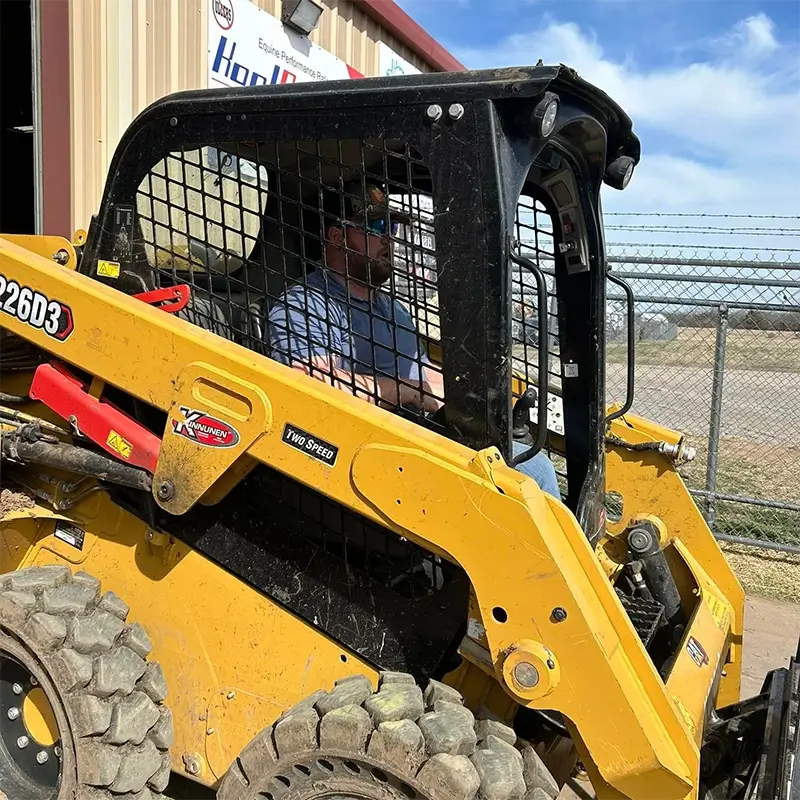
(416, 366)
(306, 333)
(434, 378)
(386, 392)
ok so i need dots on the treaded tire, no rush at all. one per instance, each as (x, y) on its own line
(107, 696)
(394, 744)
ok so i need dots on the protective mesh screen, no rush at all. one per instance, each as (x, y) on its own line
(534, 241)
(317, 254)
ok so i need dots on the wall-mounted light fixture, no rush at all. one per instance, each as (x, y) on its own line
(301, 15)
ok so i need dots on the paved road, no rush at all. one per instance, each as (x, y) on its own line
(756, 405)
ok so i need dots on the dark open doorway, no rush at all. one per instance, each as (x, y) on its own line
(17, 136)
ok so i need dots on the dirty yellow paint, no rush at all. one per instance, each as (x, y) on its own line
(212, 634)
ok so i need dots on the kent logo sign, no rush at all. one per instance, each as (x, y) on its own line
(249, 47)
(225, 65)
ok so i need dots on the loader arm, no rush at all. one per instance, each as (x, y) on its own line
(591, 667)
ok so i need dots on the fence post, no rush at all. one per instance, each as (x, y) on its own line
(716, 415)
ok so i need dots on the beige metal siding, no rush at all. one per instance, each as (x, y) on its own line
(125, 54)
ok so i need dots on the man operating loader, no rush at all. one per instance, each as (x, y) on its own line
(343, 328)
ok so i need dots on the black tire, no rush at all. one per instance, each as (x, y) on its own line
(59, 633)
(394, 744)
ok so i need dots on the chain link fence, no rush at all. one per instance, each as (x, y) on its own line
(717, 331)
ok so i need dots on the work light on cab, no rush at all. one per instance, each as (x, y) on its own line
(545, 114)
(619, 172)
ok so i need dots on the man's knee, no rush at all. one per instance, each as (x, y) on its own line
(540, 468)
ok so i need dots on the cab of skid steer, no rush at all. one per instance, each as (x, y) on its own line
(497, 175)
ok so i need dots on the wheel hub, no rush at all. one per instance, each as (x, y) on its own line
(29, 738)
(38, 717)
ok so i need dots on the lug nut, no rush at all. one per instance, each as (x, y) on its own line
(41, 757)
(34, 682)
(17, 688)
(13, 713)
(23, 742)
(57, 751)
(526, 675)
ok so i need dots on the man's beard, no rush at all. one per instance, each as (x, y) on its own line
(380, 270)
(370, 271)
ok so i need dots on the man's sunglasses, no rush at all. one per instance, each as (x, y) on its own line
(380, 226)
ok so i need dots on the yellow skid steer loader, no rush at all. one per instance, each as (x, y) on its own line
(294, 502)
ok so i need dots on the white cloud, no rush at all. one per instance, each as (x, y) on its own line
(718, 135)
(753, 37)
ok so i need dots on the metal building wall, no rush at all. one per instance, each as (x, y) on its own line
(128, 53)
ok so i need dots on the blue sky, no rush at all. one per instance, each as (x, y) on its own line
(713, 88)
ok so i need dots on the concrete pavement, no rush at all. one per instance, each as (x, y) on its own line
(771, 631)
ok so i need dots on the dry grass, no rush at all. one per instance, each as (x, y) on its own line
(765, 573)
(749, 469)
(763, 351)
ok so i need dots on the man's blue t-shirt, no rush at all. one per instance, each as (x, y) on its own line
(375, 337)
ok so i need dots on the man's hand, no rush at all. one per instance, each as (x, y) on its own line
(388, 392)
(419, 395)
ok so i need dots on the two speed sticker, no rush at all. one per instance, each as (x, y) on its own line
(310, 445)
(35, 309)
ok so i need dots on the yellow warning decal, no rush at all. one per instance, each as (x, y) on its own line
(120, 445)
(719, 611)
(684, 712)
(108, 269)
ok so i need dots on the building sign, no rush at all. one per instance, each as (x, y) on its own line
(389, 63)
(249, 47)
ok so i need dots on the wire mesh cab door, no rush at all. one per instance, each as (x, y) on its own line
(556, 277)
(227, 193)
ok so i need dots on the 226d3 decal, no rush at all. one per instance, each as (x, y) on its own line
(36, 309)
